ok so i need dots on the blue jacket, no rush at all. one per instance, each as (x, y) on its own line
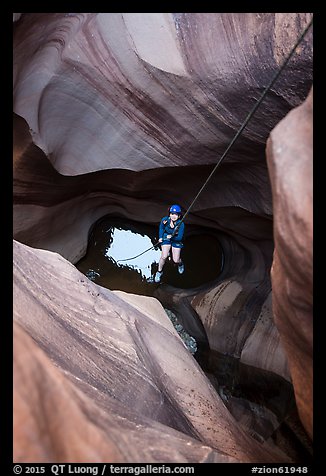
(165, 230)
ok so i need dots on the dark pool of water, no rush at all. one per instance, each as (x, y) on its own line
(113, 240)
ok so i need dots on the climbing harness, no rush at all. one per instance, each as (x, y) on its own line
(240, 130)
(156, 244)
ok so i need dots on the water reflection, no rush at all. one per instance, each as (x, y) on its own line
(127, 244)
(112, 257)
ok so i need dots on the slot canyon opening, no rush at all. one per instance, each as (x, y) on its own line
(115, 242)
(121, 256)
(268, 398)
(140, 128)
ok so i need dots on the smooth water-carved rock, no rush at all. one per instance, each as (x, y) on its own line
(98, 95)
(71, 427)
(111, 356)
(252, 339)
(106, 125)
(289, 154)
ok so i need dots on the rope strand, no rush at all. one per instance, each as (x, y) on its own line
(249, 116)
(134, 257)
(239, 132)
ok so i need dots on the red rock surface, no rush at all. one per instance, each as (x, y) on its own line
(140, 394)
(129, 91)
(289, 154)
(121, 113)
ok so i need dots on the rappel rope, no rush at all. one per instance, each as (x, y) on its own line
(240, 130)
(134, 257)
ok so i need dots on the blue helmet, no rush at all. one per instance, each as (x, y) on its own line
(175, 209)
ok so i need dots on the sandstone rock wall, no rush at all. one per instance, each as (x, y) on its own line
(291, 168)
(121, 113)
(132, 386)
